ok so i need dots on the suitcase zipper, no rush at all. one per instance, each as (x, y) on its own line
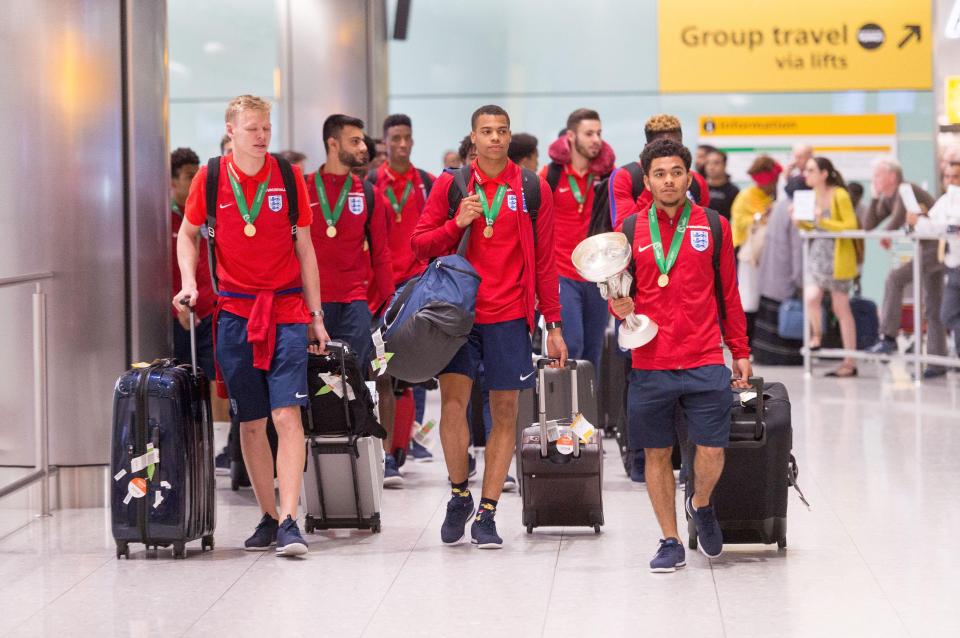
(140, 441)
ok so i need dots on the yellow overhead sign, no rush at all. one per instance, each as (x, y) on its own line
(706, 46)
(952, 97)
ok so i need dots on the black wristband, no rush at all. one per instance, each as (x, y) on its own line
(554, 324)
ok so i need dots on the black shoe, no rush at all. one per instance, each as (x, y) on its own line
(459, 511)
(264, 536)
(222, 462)
(933, 372)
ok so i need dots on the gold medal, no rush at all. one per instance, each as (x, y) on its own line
(488, 232)
(398, 218)
(663, 280)
(331, 231)
(249, 230)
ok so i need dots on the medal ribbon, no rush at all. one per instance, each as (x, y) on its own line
(249, 214)
(398, 206)
(332, 217)
(491, 212)
(176, 209)
(666, 264)
(575, 188)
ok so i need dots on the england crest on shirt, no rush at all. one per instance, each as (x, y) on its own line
(699, 239)
(275, 202)
(355, 202)
(512, 202)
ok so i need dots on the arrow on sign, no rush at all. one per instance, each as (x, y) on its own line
(912, 30)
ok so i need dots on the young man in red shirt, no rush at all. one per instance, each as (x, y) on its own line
(403, 190)
(584, 312)
(269, 302)
(514, 256)
(684, 362)
(352, 239)
(624, 202)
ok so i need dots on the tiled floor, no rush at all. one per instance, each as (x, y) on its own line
(874, 557)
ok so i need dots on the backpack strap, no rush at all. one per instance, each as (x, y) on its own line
(461, 177)
(426, 179)
(695, 190)
(636, 178)
(713, 217)
(293, 196)
(369, 197)
(211, 187)
(530, 183)
(372, 176)
(554, 170)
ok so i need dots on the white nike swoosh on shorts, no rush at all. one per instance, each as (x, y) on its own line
(300, 396)
(524, 377)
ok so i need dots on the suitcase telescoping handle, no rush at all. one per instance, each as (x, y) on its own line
(193, 334)
(542, 364)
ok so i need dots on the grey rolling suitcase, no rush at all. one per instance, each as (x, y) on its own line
(343, 481)
(560, 489)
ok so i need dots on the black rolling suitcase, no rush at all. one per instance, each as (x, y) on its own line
(750, 498)
(560, 489)
(614, 369)
(162, 457)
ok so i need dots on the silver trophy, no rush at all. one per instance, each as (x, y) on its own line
(603, 259)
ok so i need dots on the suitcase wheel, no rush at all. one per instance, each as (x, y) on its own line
(179, 550)
(375, 527)
(529, 529)
(308, 525)
(123, 549)
(206, 543)
(693, 542)
(596, 529)
(782, 543)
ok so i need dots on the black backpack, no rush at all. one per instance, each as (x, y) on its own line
(212, 188)
(629, 229)
(530, 184)
(601, 217)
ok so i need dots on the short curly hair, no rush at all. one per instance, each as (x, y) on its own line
(661, 124)
(664, 148)
(182, 157)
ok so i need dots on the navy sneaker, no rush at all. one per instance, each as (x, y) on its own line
(933, 372)
(222, 462)
(264, 536)
(391, 475)
(886, 345)
(420, 453)
(483, 532)
(289, 540)
(459, 511)
(509, 484)
(709, 536)
(669, 557)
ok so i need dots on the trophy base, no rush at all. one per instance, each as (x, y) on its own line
(637, 331)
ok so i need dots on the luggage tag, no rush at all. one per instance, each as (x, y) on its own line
(748, 398)
(582, 428)
(333, 385)
(380, 364)
(372, 387)
(553, 431)
(383, 357)
(565, 442)
(422, 435)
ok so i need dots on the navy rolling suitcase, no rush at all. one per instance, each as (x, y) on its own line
(750, 498)
(162, 458)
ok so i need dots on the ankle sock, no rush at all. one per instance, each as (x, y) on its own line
(460, 489)
(487, 504)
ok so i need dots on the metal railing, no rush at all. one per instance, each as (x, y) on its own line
(917, 357)
(40, 402)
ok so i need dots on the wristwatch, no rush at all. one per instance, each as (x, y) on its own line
(554, 324)
(316, 313)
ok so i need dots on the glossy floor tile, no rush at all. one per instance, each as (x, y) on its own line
(875, 556)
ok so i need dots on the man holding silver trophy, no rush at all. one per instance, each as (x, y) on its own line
(678, 319)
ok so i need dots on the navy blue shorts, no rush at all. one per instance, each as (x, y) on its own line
(350, 322)
(505, 351)
(255, 393)
(703, 393)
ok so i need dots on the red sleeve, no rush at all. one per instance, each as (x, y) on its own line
(195, 210)
(305, 218)
(382, 262)
(704, 190)
(622, 203)
(735, 324)
(435, 235)
(548, 283)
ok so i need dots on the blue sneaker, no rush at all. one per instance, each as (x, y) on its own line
(509, 484)
(420, 453)
(886, 345)
(459, 511)
(264, 536)
(669, 557)
(483, 532)
(391, 475)
(709, 535)
(289, 540)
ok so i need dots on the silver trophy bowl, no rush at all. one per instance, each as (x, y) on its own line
(603, 259)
